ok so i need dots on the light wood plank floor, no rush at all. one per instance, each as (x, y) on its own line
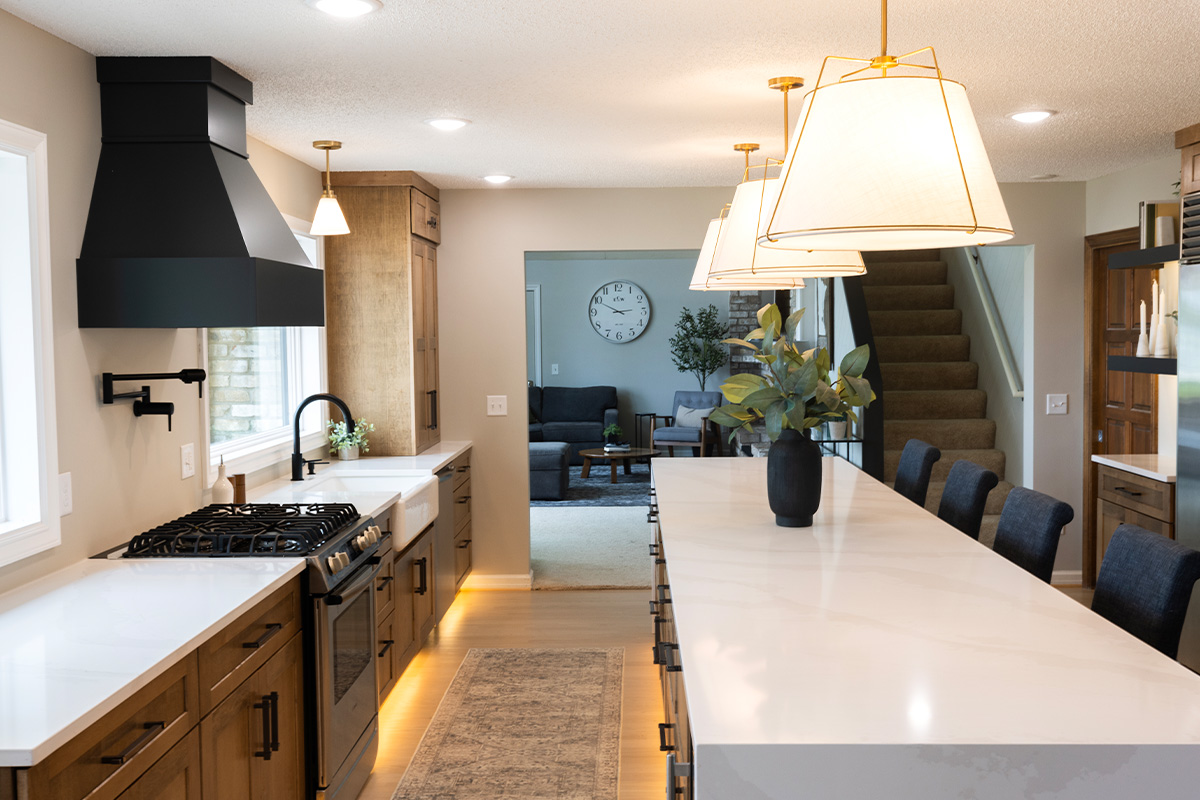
(531, 619)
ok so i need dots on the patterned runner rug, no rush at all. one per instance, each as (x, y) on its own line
(524, 723)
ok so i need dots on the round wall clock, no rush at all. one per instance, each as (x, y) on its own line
(619, 311)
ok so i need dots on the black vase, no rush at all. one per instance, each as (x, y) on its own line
(794, 479)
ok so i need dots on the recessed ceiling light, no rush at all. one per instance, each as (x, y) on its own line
(1047, 177)
(346, 8)
(447, 123)
(497, 178)
(1030, 117)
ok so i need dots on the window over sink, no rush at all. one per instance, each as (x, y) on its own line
(28, 436)
(257, 377)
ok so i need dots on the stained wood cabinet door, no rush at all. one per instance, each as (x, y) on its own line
(175, 776)
(425, 355)
(253, 741)
(404, 630)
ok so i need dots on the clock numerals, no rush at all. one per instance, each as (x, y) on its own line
(619, 311)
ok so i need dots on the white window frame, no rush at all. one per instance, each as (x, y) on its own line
(252, 453)
(39, 528)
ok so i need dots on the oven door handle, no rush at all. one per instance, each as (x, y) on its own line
(365, 579)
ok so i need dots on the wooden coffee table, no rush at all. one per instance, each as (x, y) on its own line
(625, 455)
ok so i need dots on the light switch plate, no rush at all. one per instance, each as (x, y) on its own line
(554, 369)
(497, 405)
(187, 461)
(66, 503)
(1056, 404)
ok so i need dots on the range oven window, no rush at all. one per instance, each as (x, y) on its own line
(353, 643)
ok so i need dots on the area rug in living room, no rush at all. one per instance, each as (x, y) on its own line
(589, 548)
(598, 490)
(529, 723)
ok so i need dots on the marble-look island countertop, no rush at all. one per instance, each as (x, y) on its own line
(76, 643)
(882, 653)
(1156, 467)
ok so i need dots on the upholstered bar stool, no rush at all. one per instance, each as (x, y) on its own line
(965, 496)
(1030, 526)
(916, 465)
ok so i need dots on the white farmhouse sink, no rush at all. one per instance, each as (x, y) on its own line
(358, 483)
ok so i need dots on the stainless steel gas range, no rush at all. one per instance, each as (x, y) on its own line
(344, 552)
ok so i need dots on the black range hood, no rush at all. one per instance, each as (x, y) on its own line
(181, 233)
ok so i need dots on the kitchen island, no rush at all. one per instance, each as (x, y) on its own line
(882, 653)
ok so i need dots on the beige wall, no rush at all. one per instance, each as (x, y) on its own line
(124, 470)
(1112, 200)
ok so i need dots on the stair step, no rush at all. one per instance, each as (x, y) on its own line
(995, 499)
(905, 273)
(877, 256)
(894, 349)
(987, 530)
(931, 322)
(922, 375)
(883, 298)
(990, 459)
(944, 434)
(935, 404)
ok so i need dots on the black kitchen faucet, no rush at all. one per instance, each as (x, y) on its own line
(298, 459)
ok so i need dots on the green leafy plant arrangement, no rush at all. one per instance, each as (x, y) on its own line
(796, 392)
(612, 429)
(696, 345)
(340, 438)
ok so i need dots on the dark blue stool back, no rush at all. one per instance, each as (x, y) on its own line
(965, 496)
(1030, 526)
(916, 465)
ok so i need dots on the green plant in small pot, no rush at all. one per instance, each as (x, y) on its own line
(348, 442)
(793, 396)
(612, 433)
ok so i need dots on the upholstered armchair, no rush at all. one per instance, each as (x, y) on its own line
(689, 425)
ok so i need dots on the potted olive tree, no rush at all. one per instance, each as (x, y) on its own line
(697, 345)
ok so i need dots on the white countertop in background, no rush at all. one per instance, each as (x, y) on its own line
(1156, 467)
(78, 642)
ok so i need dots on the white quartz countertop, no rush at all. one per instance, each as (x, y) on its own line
(1156, 467)
(882, 625)
(78, 642)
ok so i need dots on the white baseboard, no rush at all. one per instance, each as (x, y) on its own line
(518, 581)
(1067, 577)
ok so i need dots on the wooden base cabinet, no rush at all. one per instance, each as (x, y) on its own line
(175, 776)
(1126, 497)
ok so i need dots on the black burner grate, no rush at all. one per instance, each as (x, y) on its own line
(253, 529)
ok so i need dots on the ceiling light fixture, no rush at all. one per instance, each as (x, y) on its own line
(887, 156)
(497, 179)
(447, 123)
(1030, 117)
(345, 8)
(329, 219)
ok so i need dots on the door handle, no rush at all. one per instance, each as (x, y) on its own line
(387, 645)
(153, 729)
(433, 421)
(383, 583)
(272, 629)
(663, 727)
(265, 707)
(1126, 492)
(422, 583)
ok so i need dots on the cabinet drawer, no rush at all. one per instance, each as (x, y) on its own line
(1144, 495)
(426, 216)
(229, 657)
(462, 469)
(462, 504)
(113, 752)
(462, 554)
(176, 776)
(385, 585)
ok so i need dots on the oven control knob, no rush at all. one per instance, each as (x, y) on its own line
(362, 542)
(373, 534)
(334, 563)
(343, 560)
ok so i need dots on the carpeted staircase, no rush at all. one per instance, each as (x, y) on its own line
(929, 380)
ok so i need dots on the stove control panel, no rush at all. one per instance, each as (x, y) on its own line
(338, 561)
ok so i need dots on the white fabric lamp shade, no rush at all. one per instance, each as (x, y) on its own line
(702, 281)
(739, 256)
(875, 165)
(329, 219)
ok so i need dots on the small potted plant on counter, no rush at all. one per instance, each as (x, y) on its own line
(349, 444)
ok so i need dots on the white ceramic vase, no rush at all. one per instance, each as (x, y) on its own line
(348, 453)
(837, 430)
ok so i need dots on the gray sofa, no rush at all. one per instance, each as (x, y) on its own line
(575, 415)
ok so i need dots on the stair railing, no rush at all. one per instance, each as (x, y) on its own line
(871, 423)
(992, 313)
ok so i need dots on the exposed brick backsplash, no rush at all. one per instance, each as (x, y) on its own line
(243, 379)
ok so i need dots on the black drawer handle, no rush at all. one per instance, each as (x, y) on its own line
(1126, 492)
(671, 667)
(463, 500)
(423, 581)
(663, 727)
(270, 725)
(461, 470)
(654, 608)
(384, 582)
(464, 544)
(432, 410)
(272, 629)
(387, 645)
(654, 550)
(153, 729)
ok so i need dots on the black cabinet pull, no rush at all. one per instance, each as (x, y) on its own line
(1126, 492)
(432, 409)
(387, 645)
(464, 499)
(423, 584)
(274, 721)
(265, 707)
(671, 667)
(663, 727)
(461, 470)
(272, 629)
(153, 729)
(464, 544)
(653, 549)
(654, 608)
(384, 582)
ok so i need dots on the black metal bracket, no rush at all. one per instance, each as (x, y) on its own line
(142, 405)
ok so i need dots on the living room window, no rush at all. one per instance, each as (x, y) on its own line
(28, 438)
(256, 379)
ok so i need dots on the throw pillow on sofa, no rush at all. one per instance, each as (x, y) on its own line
(691, 417)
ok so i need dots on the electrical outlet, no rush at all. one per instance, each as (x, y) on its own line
(187, 461)
(1056, 404)
(66, 504)
(554, 369)
(497, 405)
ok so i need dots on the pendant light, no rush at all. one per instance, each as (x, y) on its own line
(329, 219)
(737, 255)
(886, 157)
(702, 282)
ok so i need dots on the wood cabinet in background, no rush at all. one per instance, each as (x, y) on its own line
(381, 307)
(1187, 141)
(1123, 497)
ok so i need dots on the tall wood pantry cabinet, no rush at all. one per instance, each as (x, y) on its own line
(381, 307)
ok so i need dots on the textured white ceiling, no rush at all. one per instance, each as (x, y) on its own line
(616, 93)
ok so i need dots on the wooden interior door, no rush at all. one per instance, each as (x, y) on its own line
(1121, 407)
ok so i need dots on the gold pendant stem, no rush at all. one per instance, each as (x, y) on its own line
(328, 179)
(883, 30)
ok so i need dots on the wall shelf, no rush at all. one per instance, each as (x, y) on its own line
(1154, 366)
(1152, 257)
